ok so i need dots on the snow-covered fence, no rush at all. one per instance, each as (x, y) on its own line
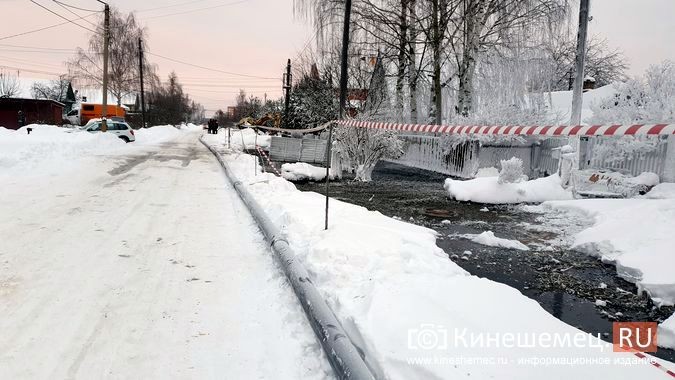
(286, 149)
(463, 160)
(649, 156)
(426, 152)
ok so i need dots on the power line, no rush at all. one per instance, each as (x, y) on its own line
(196, 10)
(208, 68)
(73, 13)
(30, 71)
(74, 7)
(63, 17)
(169, 6)
(45, 28)
(36, 47)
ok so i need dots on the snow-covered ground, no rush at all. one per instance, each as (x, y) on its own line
(489, 190)
(412, 309)
(139, 261)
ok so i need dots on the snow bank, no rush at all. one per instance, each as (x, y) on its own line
(489, 190)
(157, 134)
(662, 191)
(636, 235)
(488, 238)
(247, 137)
(301, 172)
(49, 148)
(398, 295)
(666, 333)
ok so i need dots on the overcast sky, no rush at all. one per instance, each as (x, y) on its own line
(256, 37)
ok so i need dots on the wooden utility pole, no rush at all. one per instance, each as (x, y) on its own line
(343, 95)
(140, 70)
(106, 42)
(577, 90)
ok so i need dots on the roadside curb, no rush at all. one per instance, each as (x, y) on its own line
(346, 359)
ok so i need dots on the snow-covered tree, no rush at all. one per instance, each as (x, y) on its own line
(313, 103)
(364, 147)
(512, 171)
(646, 100)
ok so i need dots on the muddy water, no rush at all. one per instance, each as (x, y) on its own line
(566, 283)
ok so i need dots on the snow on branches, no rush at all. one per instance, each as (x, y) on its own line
(364, 147)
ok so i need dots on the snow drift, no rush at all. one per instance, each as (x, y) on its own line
(301, 171)
(489, 190)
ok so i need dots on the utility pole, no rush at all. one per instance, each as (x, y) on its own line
(343, 95)
(287, 89)
(106, 42)
(577, 94)
(140, 69)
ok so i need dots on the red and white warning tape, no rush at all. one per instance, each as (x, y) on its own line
(655, 364)
(536, 130)
(267, 158)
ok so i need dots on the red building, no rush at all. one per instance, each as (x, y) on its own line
(35, 111)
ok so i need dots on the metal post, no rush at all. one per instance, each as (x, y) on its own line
(106, 41)
(577, 94)
(287, 90)
(140, 69)
(343, 96)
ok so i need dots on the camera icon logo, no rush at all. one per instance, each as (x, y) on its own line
(428, 336)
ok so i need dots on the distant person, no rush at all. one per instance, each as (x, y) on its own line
(210, 126)
(215, 126)
(21, 119)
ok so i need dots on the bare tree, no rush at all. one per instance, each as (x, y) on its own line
(123, 73)
(56, 89)
(9, 85)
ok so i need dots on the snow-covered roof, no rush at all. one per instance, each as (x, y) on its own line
(560, 102)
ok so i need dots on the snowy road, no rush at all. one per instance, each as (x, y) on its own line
(144, 265)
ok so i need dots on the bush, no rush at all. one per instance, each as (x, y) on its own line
(512, 171)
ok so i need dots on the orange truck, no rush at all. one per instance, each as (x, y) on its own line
(88, 111)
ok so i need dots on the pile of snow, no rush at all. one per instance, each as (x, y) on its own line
(612, 184)
(666, 333)
(636, 235)
(246, 137)
(49, 148)
(662, 191)
(398, 295)
(489, 190)
(301, 171)
(488, 238)
(157, 134)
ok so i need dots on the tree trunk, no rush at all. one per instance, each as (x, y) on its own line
(474, 18)
(436, 95)
(402, 63)
(412, 66)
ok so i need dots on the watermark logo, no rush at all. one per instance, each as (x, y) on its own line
(428, 337)
(634, 336)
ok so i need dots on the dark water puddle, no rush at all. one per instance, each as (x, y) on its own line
(566, 283)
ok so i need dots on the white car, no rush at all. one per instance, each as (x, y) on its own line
(117, 127)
